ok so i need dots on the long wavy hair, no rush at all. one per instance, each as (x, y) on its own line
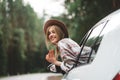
(60, 34)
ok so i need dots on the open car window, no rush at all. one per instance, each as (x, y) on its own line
(95, 36)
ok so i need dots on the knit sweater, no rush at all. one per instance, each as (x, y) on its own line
(69, 51)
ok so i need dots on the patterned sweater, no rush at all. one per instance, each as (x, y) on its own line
(69, 51)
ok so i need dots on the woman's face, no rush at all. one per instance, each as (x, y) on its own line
(52, 35)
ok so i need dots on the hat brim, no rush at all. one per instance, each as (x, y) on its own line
(58, 23)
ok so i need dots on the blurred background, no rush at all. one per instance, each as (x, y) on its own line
(22, 46)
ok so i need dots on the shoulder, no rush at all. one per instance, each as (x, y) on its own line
(66, 41)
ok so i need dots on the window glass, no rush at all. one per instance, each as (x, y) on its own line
(96, 36)
(94, 40)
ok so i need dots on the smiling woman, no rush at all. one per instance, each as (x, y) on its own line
(50, 7)
(56, 34)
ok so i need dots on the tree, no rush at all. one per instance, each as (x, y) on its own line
(16, 63)
(19, 27)
(4, 37)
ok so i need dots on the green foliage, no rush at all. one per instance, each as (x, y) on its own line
(17, 55)
(22, 34)
(3, 57)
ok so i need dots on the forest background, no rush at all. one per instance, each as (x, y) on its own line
(22, 46)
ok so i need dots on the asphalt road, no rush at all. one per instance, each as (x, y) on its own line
(35, 76)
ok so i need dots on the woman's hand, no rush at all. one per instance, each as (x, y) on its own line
(50, 57)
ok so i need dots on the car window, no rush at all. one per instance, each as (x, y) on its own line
(94, 39)
(96, 35)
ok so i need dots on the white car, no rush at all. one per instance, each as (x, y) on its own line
(104, 38)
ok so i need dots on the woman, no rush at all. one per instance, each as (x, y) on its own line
(59, 44)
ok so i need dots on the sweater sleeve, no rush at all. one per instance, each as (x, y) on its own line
(65, 66)
(68, 52)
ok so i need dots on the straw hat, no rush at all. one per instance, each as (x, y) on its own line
(59, 24)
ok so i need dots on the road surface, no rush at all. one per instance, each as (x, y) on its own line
(35, 76)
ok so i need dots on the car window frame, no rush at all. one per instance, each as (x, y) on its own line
(86, 37)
